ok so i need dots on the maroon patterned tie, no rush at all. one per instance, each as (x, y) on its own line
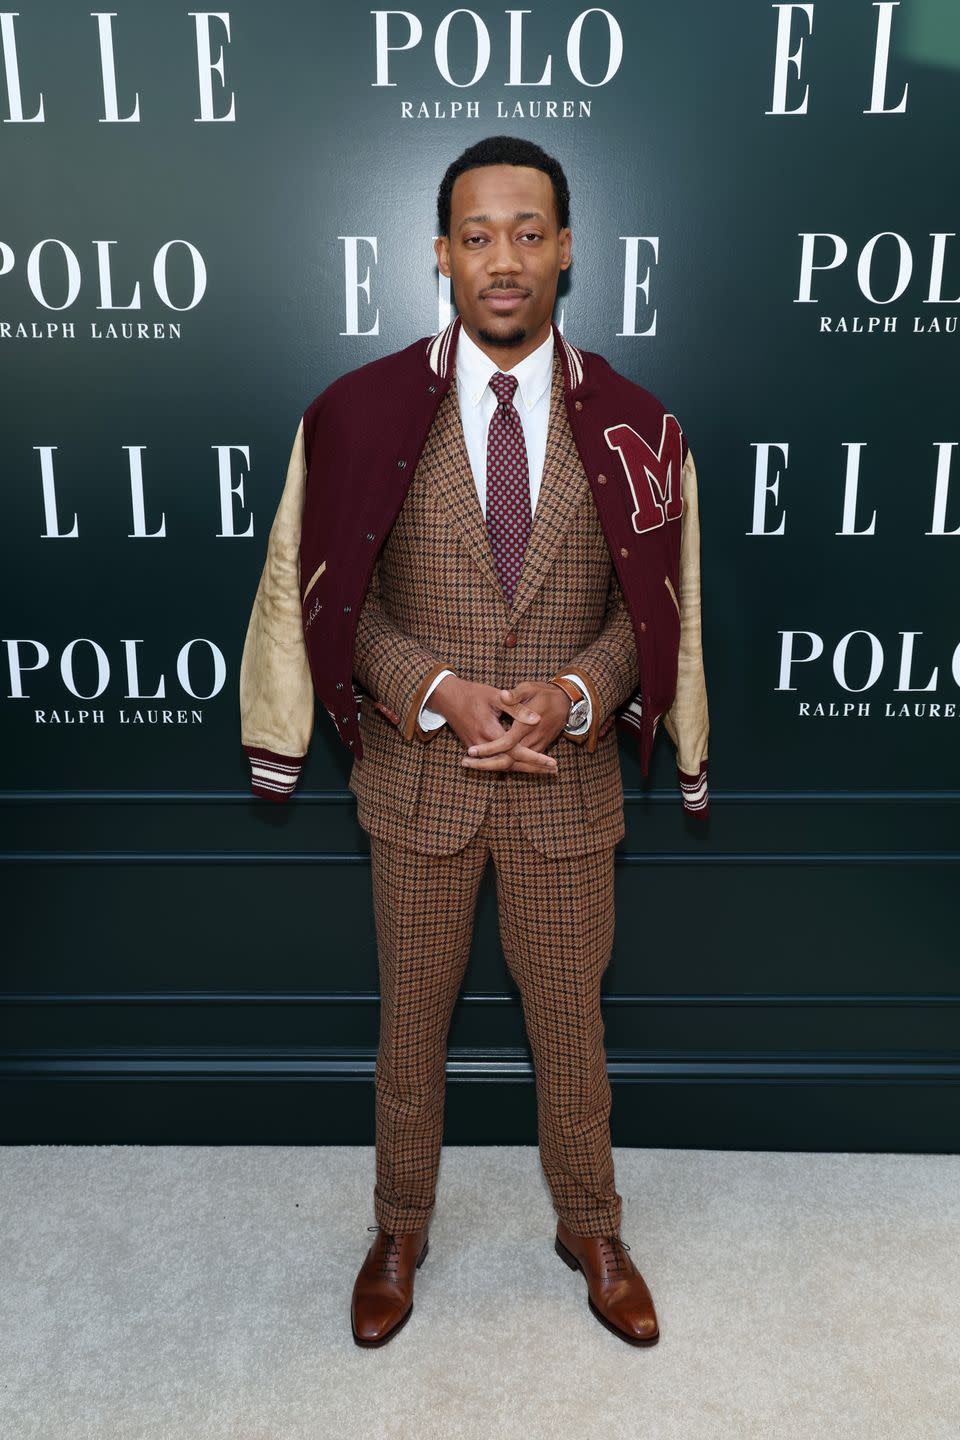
(508, 485)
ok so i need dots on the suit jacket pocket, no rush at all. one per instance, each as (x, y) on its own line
(601, 783)
(387, 777)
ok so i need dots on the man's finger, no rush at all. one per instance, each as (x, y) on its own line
(520, 756)
(531, 770)
(521, 712)
(536, 758)
(502, 761)
(509, 740)
(506, 741)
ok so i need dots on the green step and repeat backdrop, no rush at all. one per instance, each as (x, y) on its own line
(209, 215)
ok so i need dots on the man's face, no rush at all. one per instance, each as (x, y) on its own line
(504, 255)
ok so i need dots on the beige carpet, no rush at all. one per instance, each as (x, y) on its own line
(191, 1293)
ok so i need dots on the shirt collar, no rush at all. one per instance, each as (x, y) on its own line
(474, 367)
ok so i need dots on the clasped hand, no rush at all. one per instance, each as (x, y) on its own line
(539, 712)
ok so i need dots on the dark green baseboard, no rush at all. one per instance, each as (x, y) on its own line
(894, 1104)
(782, 978)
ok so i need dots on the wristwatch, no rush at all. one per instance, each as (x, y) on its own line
(579, 705)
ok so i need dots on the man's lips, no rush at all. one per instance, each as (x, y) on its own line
(504, 299)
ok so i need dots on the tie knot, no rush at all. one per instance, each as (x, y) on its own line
(504, 387)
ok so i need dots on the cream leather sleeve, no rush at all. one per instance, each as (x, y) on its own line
(687, 721)
(276, 689)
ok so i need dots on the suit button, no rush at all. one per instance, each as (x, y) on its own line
(601, 479)
(401, 464)
(578, 404)
(510, 639)
(643, 624)
(624, 550)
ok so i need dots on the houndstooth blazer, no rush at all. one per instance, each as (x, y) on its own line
(436, 581)
(379, 574)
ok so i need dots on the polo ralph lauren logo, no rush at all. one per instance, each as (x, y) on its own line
(658, 498)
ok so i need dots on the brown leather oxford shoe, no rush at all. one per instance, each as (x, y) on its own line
(383, 1290)
(617, 1292)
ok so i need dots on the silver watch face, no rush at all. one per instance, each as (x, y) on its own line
(577, 716)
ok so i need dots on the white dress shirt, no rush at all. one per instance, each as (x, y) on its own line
(477, 403)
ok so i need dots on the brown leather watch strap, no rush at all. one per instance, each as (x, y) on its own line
(572, 691)
(588, 739)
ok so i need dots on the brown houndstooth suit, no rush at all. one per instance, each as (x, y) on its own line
(433, 822)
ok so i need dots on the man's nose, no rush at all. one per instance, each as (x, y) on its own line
(502, 258)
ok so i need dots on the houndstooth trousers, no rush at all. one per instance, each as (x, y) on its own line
(556, 928)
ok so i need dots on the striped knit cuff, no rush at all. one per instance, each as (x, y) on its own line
(273, 776)
(693, 791)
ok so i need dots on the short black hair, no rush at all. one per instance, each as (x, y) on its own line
(504, 150)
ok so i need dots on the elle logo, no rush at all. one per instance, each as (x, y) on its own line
(793, 10)
(207, 68)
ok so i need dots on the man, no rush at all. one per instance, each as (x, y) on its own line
(490, 540)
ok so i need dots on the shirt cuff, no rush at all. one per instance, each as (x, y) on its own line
(432, 719)
(581, 729)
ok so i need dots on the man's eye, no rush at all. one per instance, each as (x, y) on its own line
(472, 237)
(531, 235)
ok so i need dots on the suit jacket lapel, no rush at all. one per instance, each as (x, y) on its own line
(451, 476)
(562, 489)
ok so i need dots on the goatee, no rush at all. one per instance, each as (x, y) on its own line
(516, 337)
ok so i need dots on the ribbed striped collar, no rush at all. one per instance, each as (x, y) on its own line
(441, 352)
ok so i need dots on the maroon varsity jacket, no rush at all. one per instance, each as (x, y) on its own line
(355, 453)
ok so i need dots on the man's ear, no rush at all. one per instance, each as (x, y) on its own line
(566, 248)
(441, 248)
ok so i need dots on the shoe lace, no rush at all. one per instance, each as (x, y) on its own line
(390, 1254)
(612, 1248)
